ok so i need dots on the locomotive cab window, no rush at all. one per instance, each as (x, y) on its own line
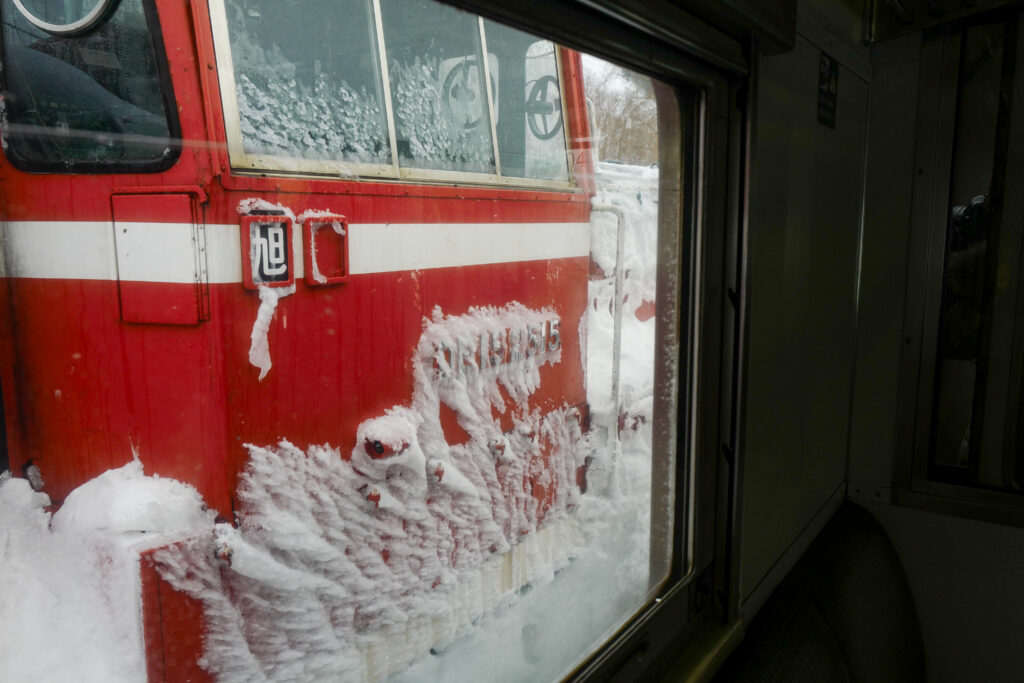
(437, 80)
(398, 89)
(83, 87)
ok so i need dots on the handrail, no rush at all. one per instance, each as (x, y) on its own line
(620, 240)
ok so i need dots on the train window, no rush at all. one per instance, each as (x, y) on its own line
(971, 420)
(403, 95)
(437, 73)
(418, 432)
(318, 98)
(528, 111)
(957, 380)
(88, 101)
(506, 518)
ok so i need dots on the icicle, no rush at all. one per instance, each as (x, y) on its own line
(259, 350)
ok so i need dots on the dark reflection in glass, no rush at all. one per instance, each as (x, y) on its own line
(964, 446)
(967, 245)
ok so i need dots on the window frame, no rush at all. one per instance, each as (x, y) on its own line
(936, 128)
(691, 619)
(241, 161)
(174, 141)
(701, 432)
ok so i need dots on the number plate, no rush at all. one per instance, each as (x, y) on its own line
(267, 255)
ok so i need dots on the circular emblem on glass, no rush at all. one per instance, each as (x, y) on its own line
(59, 19)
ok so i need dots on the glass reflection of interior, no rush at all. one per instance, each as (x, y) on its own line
(975, 422)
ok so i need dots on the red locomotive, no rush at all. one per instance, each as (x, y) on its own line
(242, 234)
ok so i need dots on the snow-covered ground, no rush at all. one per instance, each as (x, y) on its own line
(294, 606)
(70, 606)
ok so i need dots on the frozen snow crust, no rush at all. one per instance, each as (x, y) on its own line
(125, 500)
(408, 534)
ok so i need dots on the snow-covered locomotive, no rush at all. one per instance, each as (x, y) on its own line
(329, 267)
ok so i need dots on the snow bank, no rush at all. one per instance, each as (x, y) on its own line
(125, 500)
(634, 189)
(70, 605)
(555, 622)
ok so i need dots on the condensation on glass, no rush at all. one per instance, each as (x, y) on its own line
(389, 88)
(85, 100)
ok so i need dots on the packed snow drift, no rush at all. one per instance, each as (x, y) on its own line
(70, 609)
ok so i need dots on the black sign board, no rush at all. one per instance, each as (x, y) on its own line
(269, 252)
(828, 90)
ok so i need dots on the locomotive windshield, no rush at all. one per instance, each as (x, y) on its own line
(63, 18)
(91, 102)
(388, 88)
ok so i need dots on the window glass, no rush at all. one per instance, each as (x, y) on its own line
(976, 408)
(975, 411)
(334, 102)
(442, 119)
(421, 436)
(531, 136)
(318, 97)
(90, 99)
(967, 244)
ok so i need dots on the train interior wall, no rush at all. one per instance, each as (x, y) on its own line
(829, 236)
(803, 236)
(964, 573)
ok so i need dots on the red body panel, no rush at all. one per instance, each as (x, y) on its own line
(90, 388)
(172, 625)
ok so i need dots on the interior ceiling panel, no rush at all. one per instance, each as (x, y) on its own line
(890, 18)
(772, 22)
(653, 36)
